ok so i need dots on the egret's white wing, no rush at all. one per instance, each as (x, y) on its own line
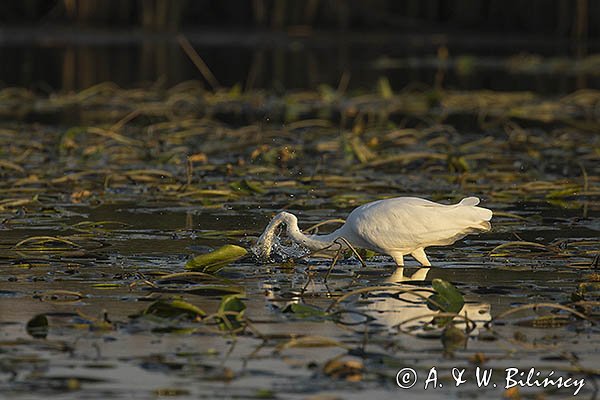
(407, 223)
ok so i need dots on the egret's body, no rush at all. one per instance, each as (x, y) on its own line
(396, 227)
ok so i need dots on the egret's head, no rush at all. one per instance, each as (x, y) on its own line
(264, 244)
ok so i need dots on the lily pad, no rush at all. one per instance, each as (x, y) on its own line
(453, 338)
(447, 298)
(216, 260)
(37, 326)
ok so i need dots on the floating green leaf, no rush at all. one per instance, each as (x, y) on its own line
(174, 309)
(561, 193)
(453, 338)
(231, 310)
(447, 297)
(520, 244)
(214, 290)
(304, 311)
(232, 303)
(366, 254)
(546, 322)
(589, 291)
(99, 226)
(311, 341)
(37, 326)
(216, 260)
(265, 394)
(247, 186)
(106, 285)
(41, 243)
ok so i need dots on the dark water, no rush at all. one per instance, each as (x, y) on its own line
(61, 59)
(133, 360)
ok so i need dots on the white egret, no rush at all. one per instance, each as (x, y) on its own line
(396, 227)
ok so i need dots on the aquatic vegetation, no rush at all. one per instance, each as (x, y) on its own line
(214, 261)
(126, 214)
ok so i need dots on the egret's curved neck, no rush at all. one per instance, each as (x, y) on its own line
(313, 242)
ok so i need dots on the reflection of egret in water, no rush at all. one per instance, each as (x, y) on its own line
(396, 227)
(409, 311)
(397, 304)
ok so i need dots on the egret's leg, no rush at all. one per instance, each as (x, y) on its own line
(335, 259)
(420, 275)
(421, 257)
(398, 275)
(398, 258)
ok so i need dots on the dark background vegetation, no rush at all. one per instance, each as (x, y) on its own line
(561, 18)
(282, 44)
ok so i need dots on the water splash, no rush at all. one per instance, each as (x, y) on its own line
(281, 250)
